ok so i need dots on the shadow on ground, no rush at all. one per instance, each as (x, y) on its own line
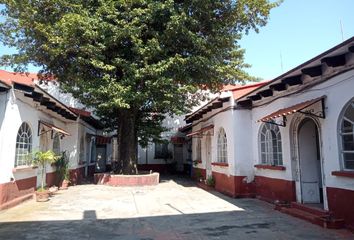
(254, 220)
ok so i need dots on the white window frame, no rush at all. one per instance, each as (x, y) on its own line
(270, 145)
(23, 139)
(222, 147)
(341, 134)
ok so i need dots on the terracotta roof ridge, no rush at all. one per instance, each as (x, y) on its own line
(255, 84)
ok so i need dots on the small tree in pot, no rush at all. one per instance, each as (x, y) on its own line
(62, 166)
(41, 159)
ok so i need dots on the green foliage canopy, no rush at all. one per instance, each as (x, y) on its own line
(146, 56)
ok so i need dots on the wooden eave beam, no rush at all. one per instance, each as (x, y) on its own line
(255, 97)
(3, 89)
(23, 88)
(291, 81)
(266, 93)
(216, 105)
(204, 111)
(313, 71)
(224, 99)
(278, 87)
(351, 49)
(245, 103)
(334, 61)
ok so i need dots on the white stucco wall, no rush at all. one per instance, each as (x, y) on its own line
(18, 110)
(338, 91)
(220, 119)
(172, 124)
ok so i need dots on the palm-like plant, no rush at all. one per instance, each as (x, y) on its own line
(62, 167)
(41, 159)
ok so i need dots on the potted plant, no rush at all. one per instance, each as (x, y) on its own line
(210, 181)
(41, 159)
(62, 169)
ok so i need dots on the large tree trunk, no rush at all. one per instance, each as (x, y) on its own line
(127, 142)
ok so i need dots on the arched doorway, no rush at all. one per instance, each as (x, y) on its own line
(310, 162)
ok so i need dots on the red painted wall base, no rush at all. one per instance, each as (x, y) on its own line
(272, 189)
(78, 174)
(233, 186)
(126, 180)
(12, 193)
(51, 179)
(198, 173)
(340, 203)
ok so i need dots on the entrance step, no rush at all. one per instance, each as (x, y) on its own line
(313, 215)
(313, 210)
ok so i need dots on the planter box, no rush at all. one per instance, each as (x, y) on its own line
(126, 180)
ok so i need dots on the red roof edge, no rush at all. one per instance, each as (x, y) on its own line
(81, 112)
(258, 84)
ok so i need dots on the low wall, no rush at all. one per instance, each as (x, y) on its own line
(126, 180)
(13, 193)
(340, 203)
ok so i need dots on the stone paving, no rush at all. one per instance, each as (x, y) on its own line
(175, 209)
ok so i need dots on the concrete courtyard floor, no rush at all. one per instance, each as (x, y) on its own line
(175, 209)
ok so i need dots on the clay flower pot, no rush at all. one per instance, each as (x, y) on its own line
(64, 184)
(42, 195)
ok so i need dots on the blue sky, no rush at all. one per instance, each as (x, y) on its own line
(297, 31)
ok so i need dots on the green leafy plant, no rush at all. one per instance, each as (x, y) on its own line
(41, 159)
(198, 174)
(134, 62)
(62, 167)
(210, 181)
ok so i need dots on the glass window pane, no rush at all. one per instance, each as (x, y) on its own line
(23, 144)
(270, 145)
(347, 127)
(348, 156)
(349, 113)
(349, 164)
(348, 142)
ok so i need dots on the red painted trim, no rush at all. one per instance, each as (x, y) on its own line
(220, 164)
(270, 167)
(51, 179)
(126, 180)
(349, 174)
(273, 189)
(234, 186)
(205, 187)
(340, 203)
(202, 173)
(12, 193)
(76, 175)
(16, 201)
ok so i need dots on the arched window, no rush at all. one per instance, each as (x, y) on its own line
(270, 143)
(23, 145)
(56, 144)
(347, 136)
(222, 147)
